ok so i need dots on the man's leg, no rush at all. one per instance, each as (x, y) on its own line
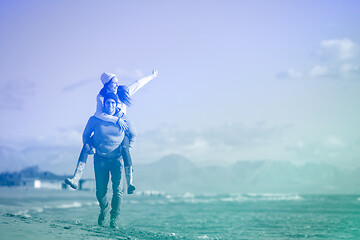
(101, 168)
(116, 169)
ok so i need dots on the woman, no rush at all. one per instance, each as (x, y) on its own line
(111, 84)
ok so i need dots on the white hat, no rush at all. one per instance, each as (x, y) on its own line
(107, 77)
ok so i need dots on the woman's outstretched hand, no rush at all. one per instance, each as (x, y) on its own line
(155, 73)
(123, 125)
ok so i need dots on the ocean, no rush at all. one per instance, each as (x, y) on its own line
(27, 213)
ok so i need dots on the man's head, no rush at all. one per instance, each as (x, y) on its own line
(110, 103)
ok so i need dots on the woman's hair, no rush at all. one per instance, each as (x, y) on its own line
(123, 94)
(103, 91)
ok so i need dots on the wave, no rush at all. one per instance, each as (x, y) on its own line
(204, 237)
(71, 205)
(35, 210)
(23, 214)
(262, 197)
(160, 197)
(150, 193)
(191, 198)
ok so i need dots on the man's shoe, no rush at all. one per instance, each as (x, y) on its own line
(113, 223)
(101, 218)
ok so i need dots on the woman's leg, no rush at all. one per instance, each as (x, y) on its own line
(131, 132)
(74, 181)
(125, 153)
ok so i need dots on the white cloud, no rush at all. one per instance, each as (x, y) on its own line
(60, 137)
(337, 59)
(300, 144)
(343, 49)
(348, 68)
(199, 143)
(327, 148)
(121, 73)
(78, 84)
(294, 74)
(228, 143)
(132, 74)
(334, 141)
(13, 94)
(290, 73)
(318, 71)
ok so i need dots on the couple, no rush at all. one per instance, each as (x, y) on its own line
(110, 135)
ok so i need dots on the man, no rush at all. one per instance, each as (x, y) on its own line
(107, 139)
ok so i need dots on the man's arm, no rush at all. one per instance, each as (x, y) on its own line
(116, 119)
(106, 117)
(141, 82)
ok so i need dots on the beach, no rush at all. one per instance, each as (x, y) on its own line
(27, 213)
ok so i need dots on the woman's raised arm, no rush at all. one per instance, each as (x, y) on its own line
(141, 82)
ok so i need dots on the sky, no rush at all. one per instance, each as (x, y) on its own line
(238, 80)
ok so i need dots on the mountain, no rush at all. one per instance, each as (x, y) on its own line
(60, 160)
(16, 178)
(170, 172)
(11, 160)
(175, 173)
